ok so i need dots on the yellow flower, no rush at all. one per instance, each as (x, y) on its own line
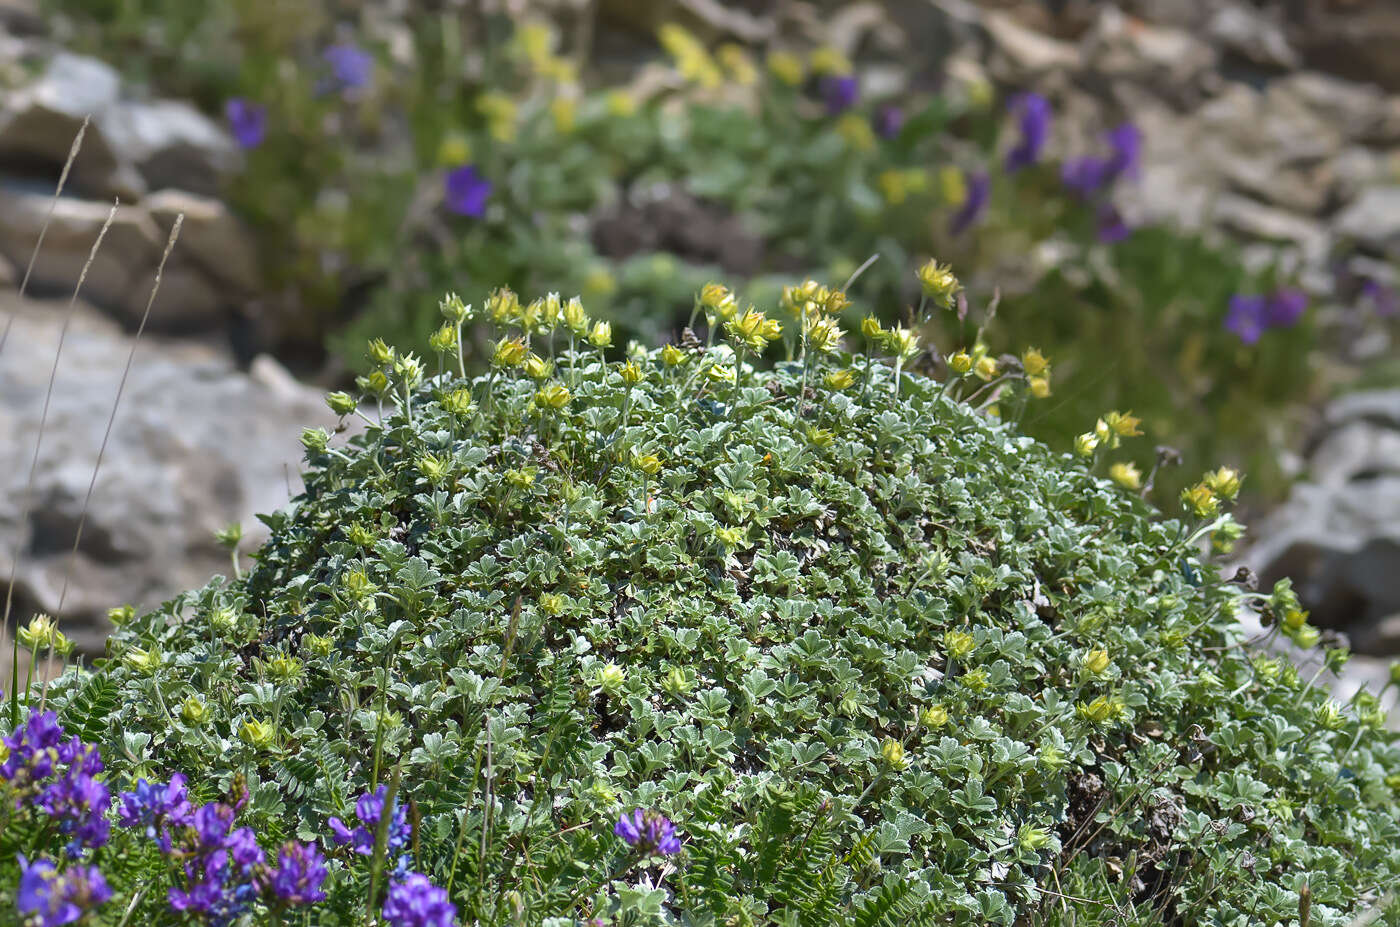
(503, 305)
(672, 355)
(143, 661)
(553, 396)
(575, 317)
(537, 368)
(39, 633)
(840, 379)
(433, 468)
(823, 334)
(522, 478)
(259, 734)
(1040, 386)
(121, 615)
(454, 150)
(952, 186)
(829, 61)
(1086, 444)
(1126, 475)
(600, 335)
(380, 353)
(870, 328)
(459, 402)
(499, 111)
(958, 644)
(1124, 424)
(693, 61)
(938, 282)
(738, 63)
(620, 103)
(599, 282)
(857, 132)
(985, 368)
(892, 751)
(1201, 501)
(753, 329)
(960, 363)
(564, 111)
(720, 373)
(650, 464)
(934, 716)
(820, 437)
(1224, 482)
(1096, 662)
(509, 352)
(716, 299)
(283, 668)
(1034, 362)
(534, 41)
(442, 340)
(901, 342)
(786, 67)
(892, 186)
(611, 677)
(194, 711)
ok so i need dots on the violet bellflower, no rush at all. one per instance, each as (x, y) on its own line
(48, 898)
(351, 67)
(979, 192)
(648, 832)
(247, 121)
(1088, 175)
(467, 191)
(414, 901)
(1249, 316)
(889, 121)
(1035, 115)
(840, 93)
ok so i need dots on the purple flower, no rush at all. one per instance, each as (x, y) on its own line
(417, 902)
(979, 191)
(51, 898)
(1111, 227)
(467, 191)
(33, 748)
(648, 832)
(79, 802)
(889, 120)
(351, 66)
(300, 872)
(1084, 176)
(369, 808)
(1246, 317)
(1035, 131)
(1284, 308)
(840, 93)
(156, 809)
(247, 121)
(1383, 298)
(1126, 142)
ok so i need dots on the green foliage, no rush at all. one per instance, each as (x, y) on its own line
(881, 658)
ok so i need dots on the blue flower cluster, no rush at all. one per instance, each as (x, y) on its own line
(648, 832)
(1250, 316)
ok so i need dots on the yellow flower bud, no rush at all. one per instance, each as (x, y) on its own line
(892, 752)
(933, 717)
(143, 661)
(1096, 662)
(840, 379)
(786, 67)
(459, 402)
(1039, 386)
(871, 329)
(1224, 482)
(650, 464)
(611, 678)
(719, 373)
(575, 317)
(121, 615)
(672, 355)
(600, 335)
(824, 334)
(521, 478)
(1126, 475)
(443, 340)
(631, 373)
(620, 104)
(958, 644)
(1034, 362)
(380, 353)
(433, 468)
(1201, 501)
(554, 396)
(1086, 444)
(258, 734)
(985, 368)
(194, 711)
(1124, 424)
(938, 283)
(509, 353)
(536, 367)
(960, 363)
(454, 150)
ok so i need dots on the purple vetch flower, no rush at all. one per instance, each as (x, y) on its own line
(1084, 176)
(1246, 317)
(78, 801)
(415, 901)
(299, 874)
(467, 191)
(1111, 227)
(50, 898)
(369, 808)
(156, 809)
(351, 66)
(247, 121)
(1383, 298)
(33, 749)
(840, 93)
(648, 832)
(1035, 115)
(1285, 307)
(1126, 142)
(889, 121)
(979, 191)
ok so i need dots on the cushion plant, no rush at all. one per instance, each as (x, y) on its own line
(686, 638)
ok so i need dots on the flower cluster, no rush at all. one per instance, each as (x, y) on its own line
(648, 832)
(1089, 178)
(369, 809)
(1249, 316)
(47, 897)
(57, 775)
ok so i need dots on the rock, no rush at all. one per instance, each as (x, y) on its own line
(1173, 62)
(9, 276)
(39, 121)
(1021, 56)
(196, 445)
(1360, 111)
(1356, 40)
(170, 143)
(1379, 407)
(1251, 219)
(212, 237)
(1373, 220)
(1252, 35)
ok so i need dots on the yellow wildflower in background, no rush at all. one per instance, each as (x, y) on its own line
(620, 103)
(499, 111)
(857, 132)
(952, 186)
(692, 60)
(738, 63)
(564, 111)
(829, 61)
(454, 150)
(1126, 475)
(786, 67)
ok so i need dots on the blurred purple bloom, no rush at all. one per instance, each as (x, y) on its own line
(1035, 131)
(1383, 298)
(51, 898)
(467, 191)
(351, 66)
(1084, 176)
(1246, 317)
(247, 121)
(889, 120)
(1126, 142)
(840, 93)
(300, 873)
(1284, 308)
(648, 832)
(417, 902)
(979, 191)
(1111, 227)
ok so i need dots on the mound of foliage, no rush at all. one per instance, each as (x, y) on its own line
(877, 656)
